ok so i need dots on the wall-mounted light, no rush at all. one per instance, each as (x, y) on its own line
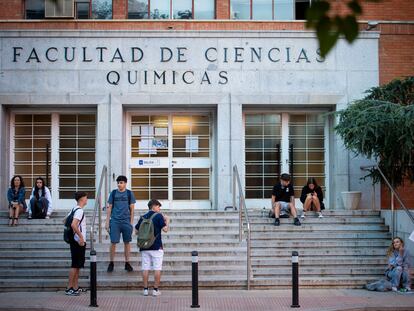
(371, 25)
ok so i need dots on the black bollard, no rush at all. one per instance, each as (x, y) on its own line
(93, 279)
(194, 267)
(295, 280)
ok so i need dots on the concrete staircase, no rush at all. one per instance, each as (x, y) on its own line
(33, 255)
(345, 249)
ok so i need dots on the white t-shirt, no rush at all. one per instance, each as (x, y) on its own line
(82, 224)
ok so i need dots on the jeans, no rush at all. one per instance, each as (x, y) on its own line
(397, 275)
(43, 201)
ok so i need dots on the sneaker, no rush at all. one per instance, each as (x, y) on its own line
(320, 215)
(156, 293)
(394, 289)
(128, 267)
(47, 217)
(82, 289)
(303, 215)
(29, 217)
(408, 289)
(110, 267)
(296, 222)
(145, 292)
(71, 292)
(277, 222)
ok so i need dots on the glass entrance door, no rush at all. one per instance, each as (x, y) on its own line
(170, 159)
(277, 143)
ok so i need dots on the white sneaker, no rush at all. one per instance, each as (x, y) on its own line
(394, 289)
(156, 293)
(47, 217)
(303, 215)
(320, 215)
(145, 293)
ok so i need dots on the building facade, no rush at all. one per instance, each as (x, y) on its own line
(173, 94)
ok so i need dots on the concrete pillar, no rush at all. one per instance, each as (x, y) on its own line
(223, 161)
(116, 137)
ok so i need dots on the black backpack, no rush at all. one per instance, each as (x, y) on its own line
(68, 234)
(39, 210)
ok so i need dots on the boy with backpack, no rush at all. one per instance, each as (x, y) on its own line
(149, 228)
(120, 219)
(75, 235)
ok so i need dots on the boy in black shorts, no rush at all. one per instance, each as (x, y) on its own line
(78, 245)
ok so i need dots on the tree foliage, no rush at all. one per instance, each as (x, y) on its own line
(329, 26)
(381, 127)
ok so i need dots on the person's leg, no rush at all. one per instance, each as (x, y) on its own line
(32, 207)
(293, 210)
(76, 278)
(307, 204)
(145, 275)
(157, 278)
(395, 275)
(72, 276)
(11, 215)
(15, 214)
(317, 204)
(276, 209)
(127, 251)
(112, 249)
(405, 278)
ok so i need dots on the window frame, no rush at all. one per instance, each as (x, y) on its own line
(171, 12)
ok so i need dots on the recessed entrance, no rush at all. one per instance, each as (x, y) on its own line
(170, 159)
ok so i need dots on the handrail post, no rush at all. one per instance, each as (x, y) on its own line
(392, 215)
(248, 257)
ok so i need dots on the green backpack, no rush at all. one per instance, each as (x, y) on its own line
(146, 236)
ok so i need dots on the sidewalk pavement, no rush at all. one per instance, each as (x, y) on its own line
(212, 300)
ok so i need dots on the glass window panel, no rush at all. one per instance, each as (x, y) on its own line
(271, 169)
(181, 195)
(67, 143)
(160, 9)
(254, 118)
(22, 156)
(254, 169)
(254, 181)
(254, 156)
(254, 130)
(200, 130)
(295, 118)
(298, 143)
(316, 156)
(159, 182)
(272, 130)
(301, 7)
(86, 143)
(181, 182)
(67, 169)
(82, 10)
(271, 143)
(200, 194)
(315, 143)
(102, 9)
(271, 156)
(67, 118)
(141, 194)
(86, 182)
(182, 9)
(200, 182)
(66, 194)
(42, 118)
(204, 9)
(159, 194)
(297, 130)
(23, 143)
(137, 9)
(35, 9)
(86, 156)
(87, 118)
(86, 169)
(240, 9)
(284, 10)
(267, 193)
(23, 118)
(253, 194)
(41, 143)
(23, 130)
(272, 118)
(67, 130)
(67, 156)
(262, 10)
(67, 182)
(254, 143)
(86, 130)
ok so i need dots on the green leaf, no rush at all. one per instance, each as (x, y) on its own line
(355, 7)
(350, 28)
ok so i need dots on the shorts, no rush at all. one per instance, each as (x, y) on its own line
(284, 208)
(115, 230)
(152, 260)
(78, 255)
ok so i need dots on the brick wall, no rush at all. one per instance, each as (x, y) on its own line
(119, 9)
(12, 10)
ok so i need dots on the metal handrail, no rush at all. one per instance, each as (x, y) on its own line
(393, 194)
(242, 207)
(98, 206)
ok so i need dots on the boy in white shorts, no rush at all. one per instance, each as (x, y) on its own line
(152, 257)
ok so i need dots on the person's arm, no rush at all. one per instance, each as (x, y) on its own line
(132, 207)
(166, 221)
(319, 193)
(292, 196)
(75, 227)
(49, 199)
(10, 195)
(108, 216)
(303, 195)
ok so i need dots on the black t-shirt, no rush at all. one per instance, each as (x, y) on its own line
(159, 223)
(283, 193)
